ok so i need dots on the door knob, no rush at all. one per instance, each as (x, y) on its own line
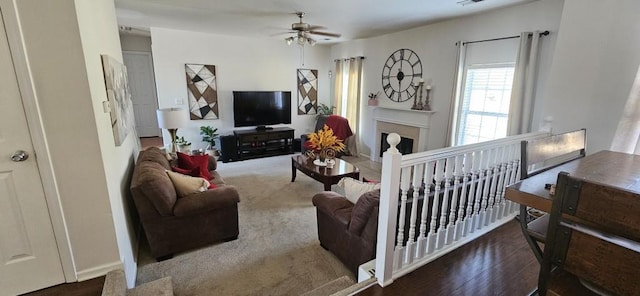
(20, 155)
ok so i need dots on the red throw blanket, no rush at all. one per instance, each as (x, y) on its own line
(340, 126)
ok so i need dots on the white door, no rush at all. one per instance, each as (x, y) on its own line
(143, 92)
(29, 258)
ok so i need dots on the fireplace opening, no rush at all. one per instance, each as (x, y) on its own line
(405, 146)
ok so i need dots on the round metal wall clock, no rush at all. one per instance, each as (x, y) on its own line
(400, 74)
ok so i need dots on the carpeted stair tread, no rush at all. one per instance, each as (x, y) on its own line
(160, 287)
(114, 284)
(331, 287)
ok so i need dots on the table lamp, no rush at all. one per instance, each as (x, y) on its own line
(171, 119)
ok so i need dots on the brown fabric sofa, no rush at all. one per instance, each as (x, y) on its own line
(349, 231)
(174, 224)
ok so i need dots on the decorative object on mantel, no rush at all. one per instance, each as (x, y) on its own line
(427, 106)
(319, 144)
(373, 99)
(119, 97)
(400, 74)
(307, 91)
(417, 101)
(202, 91)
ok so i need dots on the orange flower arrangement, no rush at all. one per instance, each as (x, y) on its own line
(322, 140)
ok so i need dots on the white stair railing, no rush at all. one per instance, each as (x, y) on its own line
(435, 201)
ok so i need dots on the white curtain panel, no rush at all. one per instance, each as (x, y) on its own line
(524, 81)
(337, 85)
(627, 137)
(457, 91)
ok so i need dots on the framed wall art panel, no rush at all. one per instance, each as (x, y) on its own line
(307, 91)
(202, 91)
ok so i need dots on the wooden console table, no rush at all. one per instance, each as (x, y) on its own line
(262, 143)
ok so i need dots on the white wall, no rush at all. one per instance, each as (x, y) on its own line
(241, 64)
(435, 46)
(596, 58)
(99, 35)
(64, 40)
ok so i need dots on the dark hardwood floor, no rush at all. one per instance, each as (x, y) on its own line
(86, 288)
(498, 263)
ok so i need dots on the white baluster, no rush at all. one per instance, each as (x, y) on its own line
(431, 237)
(457, 175)
(478, 165)
(405, 179)
(428, 181)
(495, 167)
(503, 160)
(442, 229)
(486, 160)
(462, 216)
(416, 183)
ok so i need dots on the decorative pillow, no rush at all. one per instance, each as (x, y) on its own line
(353, 188)
(187, 185)
(195, 172)
(190, 162)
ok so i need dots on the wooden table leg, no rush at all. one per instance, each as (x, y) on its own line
(327, 186)
(293, 170)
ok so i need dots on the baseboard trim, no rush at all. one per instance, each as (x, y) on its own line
(97, 271)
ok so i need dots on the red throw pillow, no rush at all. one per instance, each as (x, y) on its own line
(195, 172)
(212, 186)
(190, 162)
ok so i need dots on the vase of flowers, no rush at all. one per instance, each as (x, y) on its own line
(373, 99)
(322, 143)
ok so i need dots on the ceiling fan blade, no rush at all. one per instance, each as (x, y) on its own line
(336, 35)
(314, 27)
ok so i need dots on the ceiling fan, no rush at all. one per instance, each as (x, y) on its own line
(303, 30)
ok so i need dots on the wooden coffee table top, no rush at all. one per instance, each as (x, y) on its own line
(340, 168)
(325, 175)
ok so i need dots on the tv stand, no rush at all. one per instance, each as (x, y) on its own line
(263, 128)
(262, 143)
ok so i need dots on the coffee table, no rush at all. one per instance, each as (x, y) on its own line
(326, 176)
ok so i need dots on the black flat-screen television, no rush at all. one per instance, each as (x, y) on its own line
(261, 108)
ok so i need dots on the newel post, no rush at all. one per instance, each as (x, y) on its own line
(390, 184)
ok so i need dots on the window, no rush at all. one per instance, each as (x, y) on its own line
(484, 108)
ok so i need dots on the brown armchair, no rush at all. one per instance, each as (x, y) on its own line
(174, 224)
(349, 231)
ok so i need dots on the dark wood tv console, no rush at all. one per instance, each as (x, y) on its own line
(262, 143)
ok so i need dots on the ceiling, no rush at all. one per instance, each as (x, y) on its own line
(273, 18)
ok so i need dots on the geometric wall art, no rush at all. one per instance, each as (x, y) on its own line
(307, 91)
(202, 91)
(119, 97)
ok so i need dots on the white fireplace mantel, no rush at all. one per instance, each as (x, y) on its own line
(411, 118)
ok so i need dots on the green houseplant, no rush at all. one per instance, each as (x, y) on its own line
(209, 135)
(183, 145)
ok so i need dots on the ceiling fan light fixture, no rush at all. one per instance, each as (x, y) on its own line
(301, 40)
(311, 41)
(289, 40)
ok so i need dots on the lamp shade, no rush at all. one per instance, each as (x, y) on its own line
(172, 118)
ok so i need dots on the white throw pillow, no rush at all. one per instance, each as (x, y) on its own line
(186, 185)
(353, 188)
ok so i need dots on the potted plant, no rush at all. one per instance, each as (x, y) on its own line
(183, 145)
(209, 135)
(324, 110)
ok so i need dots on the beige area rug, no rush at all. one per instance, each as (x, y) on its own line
(277, 252)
